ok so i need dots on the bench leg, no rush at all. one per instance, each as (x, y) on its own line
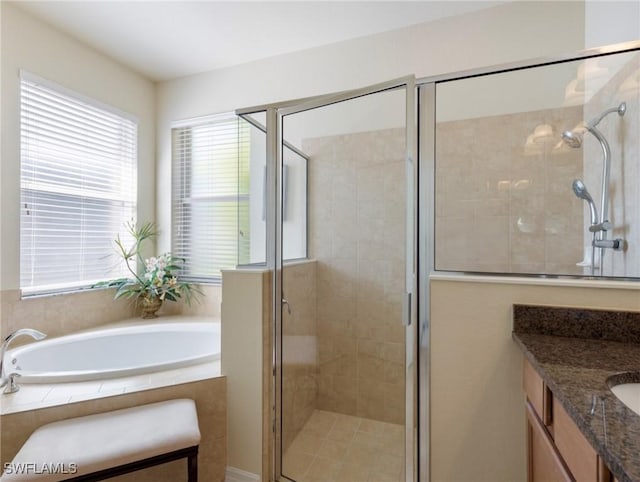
(190, 453)
(192, 462)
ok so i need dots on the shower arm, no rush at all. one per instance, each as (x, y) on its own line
(594, 122)
(620, 110)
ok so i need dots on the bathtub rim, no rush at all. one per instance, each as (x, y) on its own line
(132, 326)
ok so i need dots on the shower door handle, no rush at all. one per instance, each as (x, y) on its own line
(285, 302)
(406, 310)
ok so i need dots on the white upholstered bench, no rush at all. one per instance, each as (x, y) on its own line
(98, 447)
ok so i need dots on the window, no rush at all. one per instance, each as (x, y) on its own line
(210, 198)
(77, 184)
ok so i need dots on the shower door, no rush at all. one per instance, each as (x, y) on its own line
(344, 281)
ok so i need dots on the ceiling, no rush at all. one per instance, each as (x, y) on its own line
(169, 39)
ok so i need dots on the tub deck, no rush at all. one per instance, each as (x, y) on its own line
(33, 396)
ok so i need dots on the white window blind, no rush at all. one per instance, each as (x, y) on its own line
(210, 195)
(78, 187)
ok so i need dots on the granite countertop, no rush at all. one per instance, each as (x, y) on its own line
(576, 369)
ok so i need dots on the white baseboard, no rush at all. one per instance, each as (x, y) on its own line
(237, 475)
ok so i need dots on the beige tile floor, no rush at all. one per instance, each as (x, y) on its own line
(333, 447)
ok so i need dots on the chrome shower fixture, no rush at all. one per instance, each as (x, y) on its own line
(572, 139)
(621, 109)
(581, 191)
(598, 226)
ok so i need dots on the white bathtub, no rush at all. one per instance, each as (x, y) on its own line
(117, 351)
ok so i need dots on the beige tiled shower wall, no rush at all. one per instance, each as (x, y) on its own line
(503, 205)
(357, 236)
(299, 348)
(622, 83)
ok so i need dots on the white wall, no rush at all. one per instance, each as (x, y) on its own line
(611, 22)
(505, 93)
(29, 44)
(511, 32)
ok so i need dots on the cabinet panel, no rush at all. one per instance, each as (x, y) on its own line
(576, 451)
(544, 462)
(537, 393)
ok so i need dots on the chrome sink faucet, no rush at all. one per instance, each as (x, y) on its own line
(4, 379)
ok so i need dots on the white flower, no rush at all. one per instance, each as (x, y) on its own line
(151, 263)
(163, 261)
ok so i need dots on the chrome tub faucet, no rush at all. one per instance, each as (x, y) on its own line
(4, 379)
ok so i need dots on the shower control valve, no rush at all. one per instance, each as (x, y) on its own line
(615, 244)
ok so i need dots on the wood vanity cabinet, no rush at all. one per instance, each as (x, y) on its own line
(556, 449)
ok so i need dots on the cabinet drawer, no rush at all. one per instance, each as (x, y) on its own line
(544, 462)
(574, 448)
(536, 392)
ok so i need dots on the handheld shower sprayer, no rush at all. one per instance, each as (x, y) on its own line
(581, 191)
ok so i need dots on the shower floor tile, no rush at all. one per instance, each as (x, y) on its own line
(332, 447)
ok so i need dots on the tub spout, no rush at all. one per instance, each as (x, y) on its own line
(35, 334)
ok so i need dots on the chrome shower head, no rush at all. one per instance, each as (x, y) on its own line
(581, 191)
(572, 139)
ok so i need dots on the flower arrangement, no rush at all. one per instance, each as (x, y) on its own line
(159, 281)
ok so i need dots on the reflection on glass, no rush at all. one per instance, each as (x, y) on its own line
(519, 156)
(252, 197)
(294, 205)
(251, 223)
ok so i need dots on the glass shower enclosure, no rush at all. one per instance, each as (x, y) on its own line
(340, 196)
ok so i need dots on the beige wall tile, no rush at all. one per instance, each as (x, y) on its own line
(68, 313)
(300, 367)
(495, 197)
(357, 187)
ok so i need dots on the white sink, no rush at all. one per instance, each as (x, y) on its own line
(629, 394)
